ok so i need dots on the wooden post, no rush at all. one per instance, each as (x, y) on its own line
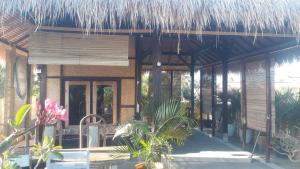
(28, 101)
(268, 108)
(213, 99)
(156, 55)
(201, 98)
(192, 99)
(171, 83)
(243, 102)
(138, 77)
(42, 98)
(225, 99)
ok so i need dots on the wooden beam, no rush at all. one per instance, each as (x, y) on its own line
(175, 53)
(138, 77)
(151, 31)
(201, 98)
(271, 50)
(6, 42)
(213, 99)
(192, 73)
(156, 68)
(243, 102)
(268, 108)
(184, 61)
(42, 97)
(225, 99)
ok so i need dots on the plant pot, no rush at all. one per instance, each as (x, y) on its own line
(231, 129)
(248, 135)
(159, 165)
(261, 143)
(139, 166)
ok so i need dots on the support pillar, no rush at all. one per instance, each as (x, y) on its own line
(156, 67)
(201, 98)
(225, 99)
(43, 94)
(213, 99)
(192, 99)
(268, 108)
(138, 78)
(243, 103)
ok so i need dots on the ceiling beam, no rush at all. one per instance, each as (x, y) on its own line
(6, 42)
(150, 31)
(271, 49)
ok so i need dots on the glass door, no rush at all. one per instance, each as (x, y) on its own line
(77, 101)
(105, 100)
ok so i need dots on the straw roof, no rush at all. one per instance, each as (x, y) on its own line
(184, 15)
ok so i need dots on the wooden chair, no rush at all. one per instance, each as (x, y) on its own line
(79, 159)
(94, 130)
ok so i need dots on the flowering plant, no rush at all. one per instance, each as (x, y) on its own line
(51, 113)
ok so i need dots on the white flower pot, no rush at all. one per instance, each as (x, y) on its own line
(231, 129)
(248, 135)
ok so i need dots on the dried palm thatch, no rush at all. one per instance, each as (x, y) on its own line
(183, 15)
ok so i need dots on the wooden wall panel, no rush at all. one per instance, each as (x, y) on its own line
(256, 95)
(101, 71)
(127, 115)
(53, 89)
(53, 70)
(128, 92)
(78, 49)
(207, 91)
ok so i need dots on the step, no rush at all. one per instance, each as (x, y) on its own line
(214, 156)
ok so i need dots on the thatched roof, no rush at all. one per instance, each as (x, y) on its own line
(185, 15)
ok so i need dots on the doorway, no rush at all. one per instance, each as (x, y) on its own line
(91, 97)
(105, 100)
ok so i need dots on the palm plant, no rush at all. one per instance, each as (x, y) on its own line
(152, 139)
(287, 107)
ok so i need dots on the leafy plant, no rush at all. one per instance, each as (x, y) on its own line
(7, 145)
(17, 129)
(152, 139)
(50, 115)
(287, 108)
(234, 108)
(46, 149)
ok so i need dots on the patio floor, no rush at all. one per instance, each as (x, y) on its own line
(199, 143)
(193, 155)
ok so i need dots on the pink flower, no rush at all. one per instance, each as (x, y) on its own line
(51, 113)
(62, 115)
(50, 105)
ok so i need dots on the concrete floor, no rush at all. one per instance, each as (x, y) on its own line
(197, 143)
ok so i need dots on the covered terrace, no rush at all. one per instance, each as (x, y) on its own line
(216, 38)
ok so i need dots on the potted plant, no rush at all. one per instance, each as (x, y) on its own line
(43, 118)
(234, 108)
(151, 142)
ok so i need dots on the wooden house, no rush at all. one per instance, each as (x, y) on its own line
(83, 50)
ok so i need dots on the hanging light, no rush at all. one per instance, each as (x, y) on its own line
(158, 64)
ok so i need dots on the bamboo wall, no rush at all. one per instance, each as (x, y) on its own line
(78, 49)
(207, 99)
(256, 95)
